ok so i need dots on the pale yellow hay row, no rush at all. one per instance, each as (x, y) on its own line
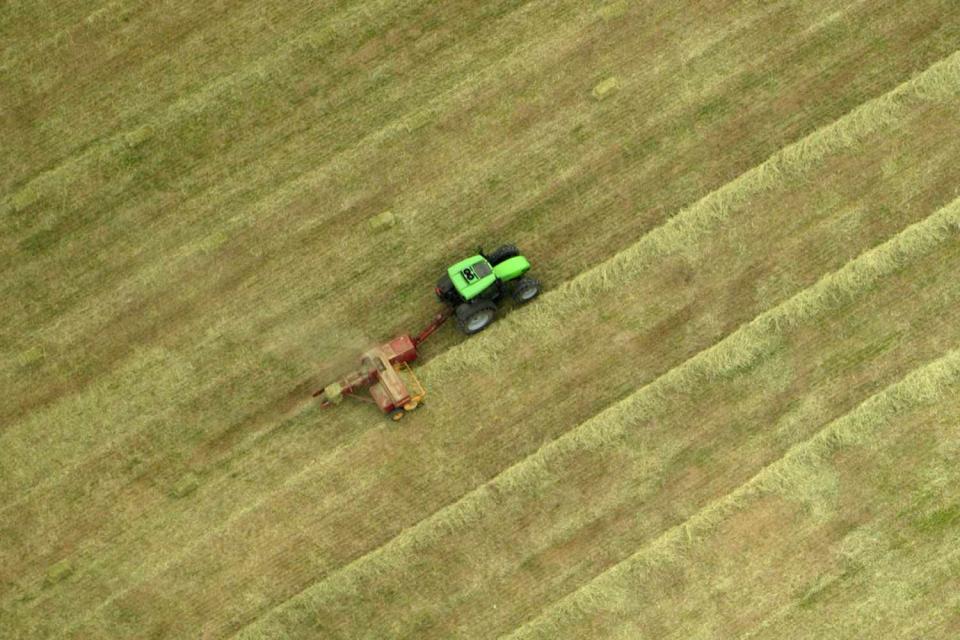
(940, 82)
(739, 350)
(924, 386)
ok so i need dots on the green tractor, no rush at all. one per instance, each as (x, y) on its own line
(473, 286)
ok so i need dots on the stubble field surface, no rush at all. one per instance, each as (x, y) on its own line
(733, 413)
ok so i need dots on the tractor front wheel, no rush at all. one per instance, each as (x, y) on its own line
(473, 317)
(502, 253)
(526, 290)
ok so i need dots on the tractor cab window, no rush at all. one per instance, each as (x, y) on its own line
(480, 270)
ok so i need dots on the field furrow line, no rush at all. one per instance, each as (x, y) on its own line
(197, 100)
(289, 190)
(91, 310)
(261, 70)
(940, 82)
(924, 386)
(944, 565)
(745, 346)
(686, 227)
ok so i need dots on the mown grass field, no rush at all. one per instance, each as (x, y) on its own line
(732, 414)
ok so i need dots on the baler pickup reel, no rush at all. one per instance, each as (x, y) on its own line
(382, 371)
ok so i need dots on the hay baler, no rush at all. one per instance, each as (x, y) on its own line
(383, 370)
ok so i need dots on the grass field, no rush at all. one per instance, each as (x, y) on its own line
(732, 414)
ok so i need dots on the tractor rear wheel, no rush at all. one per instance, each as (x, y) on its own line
(526, 290)
(502, 253)
(473, 317)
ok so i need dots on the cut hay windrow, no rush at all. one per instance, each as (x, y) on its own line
(917, 570)
(92, 311)
(938, 83)
(923, 387)
(301, 477)
(278, 554)
(736, 352)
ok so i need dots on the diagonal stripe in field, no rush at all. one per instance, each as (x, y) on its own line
(737, 350)
(545, 298)
(922, 387)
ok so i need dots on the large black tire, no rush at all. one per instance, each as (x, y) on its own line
(526, 290)
(475, 316)
(500, 254)
(446, 291)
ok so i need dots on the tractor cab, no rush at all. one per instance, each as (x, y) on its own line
(471, 277)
